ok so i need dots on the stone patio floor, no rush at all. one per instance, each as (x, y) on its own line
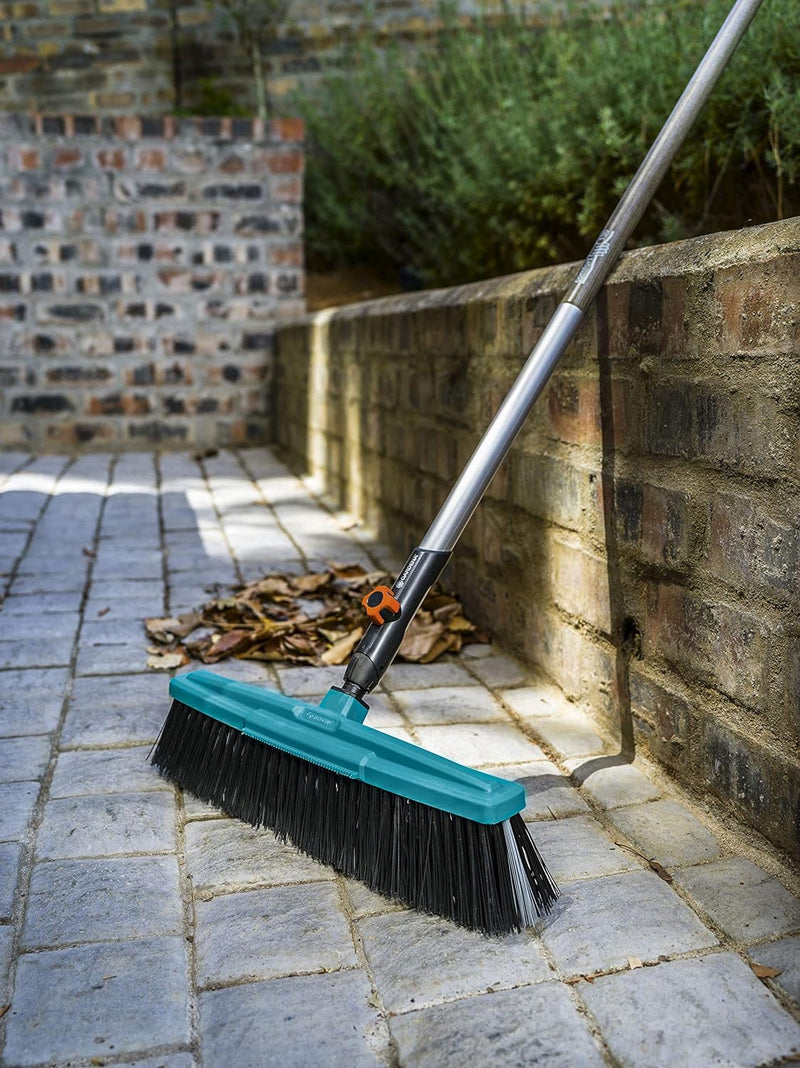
(141, 927)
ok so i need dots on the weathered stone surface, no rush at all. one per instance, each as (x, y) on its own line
(418, 960)
(74, 1003)
(228, 854)
(423, 676)
(263, 934)
(710, 1011)
(102, 900)
(477, 744)
(107, 824)
(24, 758)
(17, 800)
(668, 832)
(449, 704)
(579, 848)
(747, 903)
(10, 854)
(106, 771)
(530, 1025)
(323, 1019)
(31, 701)
(600, 923)
(785, 955)
(499, 671)
(116, 709)
(614, 785)
(548, 793)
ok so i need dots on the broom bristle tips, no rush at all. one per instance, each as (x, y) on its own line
(488, 877)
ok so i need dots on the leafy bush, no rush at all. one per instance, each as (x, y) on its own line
(505, 145)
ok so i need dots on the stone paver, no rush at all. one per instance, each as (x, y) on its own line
(529, 1026)
(16, 808)
(614, 785)
(10, 855)
(783, 955)
(31, 701)
(420, 960)
(141, 926)
(228, 854)
(99, 900)
(103, 825)
(81, 1002)
(548, 793)
(263, 934)
(598, 924)
(579, 848)
(449, 704)
(105, 771)
(24, 759)
(477, 744)
(711, 1011)
(423, 676)
(667, 832)
(116, 709)
(330, 1014)
(743, 900)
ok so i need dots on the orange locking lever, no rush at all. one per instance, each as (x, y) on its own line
(381, 605)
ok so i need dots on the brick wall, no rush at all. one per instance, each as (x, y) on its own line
(143, 264)
(149, 56)
(106, 56)
(642, 542)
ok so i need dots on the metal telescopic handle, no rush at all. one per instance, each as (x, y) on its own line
(474, 480)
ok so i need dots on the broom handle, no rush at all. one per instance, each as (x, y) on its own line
(392, 610)
(474, 480)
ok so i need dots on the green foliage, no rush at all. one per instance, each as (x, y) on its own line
(505, 146)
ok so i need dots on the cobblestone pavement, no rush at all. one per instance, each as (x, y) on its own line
(141, 927)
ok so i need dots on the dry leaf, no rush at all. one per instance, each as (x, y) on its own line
(311, 583)
(763, 971)
(104, 611)
(4, 1010)
(164, 660)
(420, 639)
(229, 644)
(341, 650)
(634, 962)
(347, 571)
(660, 871)
(373, 1001)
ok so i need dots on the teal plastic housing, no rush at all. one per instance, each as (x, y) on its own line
(330, 734)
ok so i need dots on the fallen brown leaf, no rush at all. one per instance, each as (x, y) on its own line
(104, 611)
(341, 650)
(166, 660)
(661, 871)
(763, 971)
(3, 1010)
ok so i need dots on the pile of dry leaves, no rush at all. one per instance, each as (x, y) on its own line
(315, 618)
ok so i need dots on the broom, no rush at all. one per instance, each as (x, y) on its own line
(410, 824)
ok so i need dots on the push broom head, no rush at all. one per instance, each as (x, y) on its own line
(410, 824)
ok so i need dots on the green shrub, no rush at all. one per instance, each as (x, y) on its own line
(505, 145)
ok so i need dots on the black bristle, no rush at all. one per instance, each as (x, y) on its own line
(427, 858)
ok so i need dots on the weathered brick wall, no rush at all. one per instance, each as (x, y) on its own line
(106, 56)
(149, 56)
(642, 542)
(143, 265)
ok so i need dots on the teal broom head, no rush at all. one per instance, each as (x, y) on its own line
(410, 824)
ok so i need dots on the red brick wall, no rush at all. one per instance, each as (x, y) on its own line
(143, 265)
(642, 542)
